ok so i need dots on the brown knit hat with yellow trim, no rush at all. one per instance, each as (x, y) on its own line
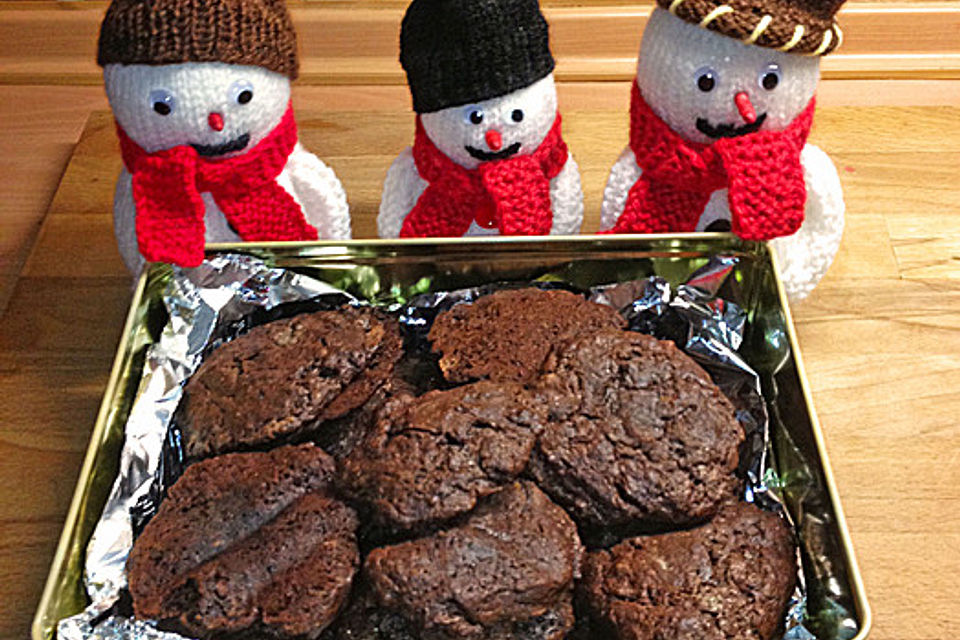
(250, 32)
(798, 26)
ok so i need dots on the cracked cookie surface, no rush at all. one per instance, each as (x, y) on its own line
(638, 434)
(285, 377)
(247, 541)
(508, 334)
(431, 458)
(727, 580)
(506, 572)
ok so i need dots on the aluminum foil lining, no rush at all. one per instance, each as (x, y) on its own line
(215, 301)
(224, 289)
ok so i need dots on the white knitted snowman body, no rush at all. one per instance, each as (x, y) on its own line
(503, 127)
(223, 111)
(694, 80)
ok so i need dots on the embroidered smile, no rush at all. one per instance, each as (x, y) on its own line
(487, 156)
(729, 130)
(221, 149)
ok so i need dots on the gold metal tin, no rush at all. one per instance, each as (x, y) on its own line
(385, 269)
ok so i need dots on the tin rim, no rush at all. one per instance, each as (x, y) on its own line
(859, 593)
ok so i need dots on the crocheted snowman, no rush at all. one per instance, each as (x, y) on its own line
(721, 109)
(201, 97)
(488, 156)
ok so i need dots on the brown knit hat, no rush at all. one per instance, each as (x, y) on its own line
(249, 32)
(798, 26)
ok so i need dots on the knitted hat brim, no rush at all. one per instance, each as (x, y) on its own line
(456, 94)
(246, 32)
(775, 24)
(457, 52)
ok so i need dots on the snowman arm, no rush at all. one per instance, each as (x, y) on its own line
(401, 190)
(566, 200)
(125, 223)
(805, 256)
(623, 176)
(320, 194)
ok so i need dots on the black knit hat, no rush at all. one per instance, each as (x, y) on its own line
(461, 51)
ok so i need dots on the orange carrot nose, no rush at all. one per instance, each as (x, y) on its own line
(215, 120)
(745, 107)
(494, 141)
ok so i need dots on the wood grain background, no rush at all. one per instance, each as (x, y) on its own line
(880, 335)
(355, 42)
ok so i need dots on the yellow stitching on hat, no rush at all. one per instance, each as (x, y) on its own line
(759, 29)
(797, 36)
(673, 6)
(716, 13)
(827, 38)
(839, 32)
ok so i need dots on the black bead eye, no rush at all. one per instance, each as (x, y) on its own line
(241, 92)
(473, 115)
(517, 115)
(770, 77)
(162, 102)
(706, 79)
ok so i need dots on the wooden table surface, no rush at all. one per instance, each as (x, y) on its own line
(880, 336)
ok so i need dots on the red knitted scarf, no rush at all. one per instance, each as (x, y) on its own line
(167, 187)
(511, 195)
(761, 170)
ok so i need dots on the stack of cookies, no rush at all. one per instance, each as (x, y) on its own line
(542, 474)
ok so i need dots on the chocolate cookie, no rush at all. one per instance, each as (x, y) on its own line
(342, 436)
(365, 619)
(507, 572)
(507, 335)
(247, 541)
(285, 377)
(730, 579)
(431, 458)
(638, 435)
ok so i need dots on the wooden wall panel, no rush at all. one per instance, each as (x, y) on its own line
(356, 42)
